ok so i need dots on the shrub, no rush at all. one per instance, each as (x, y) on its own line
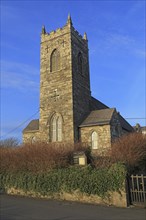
(130, 150)
(38, 157)
(100, 162)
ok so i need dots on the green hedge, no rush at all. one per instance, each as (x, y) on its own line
(85, 179)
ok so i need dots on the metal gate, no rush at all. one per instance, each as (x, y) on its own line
(137, 186)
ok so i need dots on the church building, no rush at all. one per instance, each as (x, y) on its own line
(68, 112)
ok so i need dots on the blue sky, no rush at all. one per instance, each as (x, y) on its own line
(116, 34)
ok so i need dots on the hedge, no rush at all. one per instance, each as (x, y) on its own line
(85, 179)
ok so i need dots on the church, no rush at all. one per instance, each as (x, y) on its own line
(68, 112)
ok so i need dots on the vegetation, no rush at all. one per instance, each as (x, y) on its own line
(39, 157)
(47, 169)
(9, 142)
(85, 180)
(131, 151)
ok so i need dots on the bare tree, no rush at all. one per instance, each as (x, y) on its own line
(9, 142)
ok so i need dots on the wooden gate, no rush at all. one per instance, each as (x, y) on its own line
(137, 185)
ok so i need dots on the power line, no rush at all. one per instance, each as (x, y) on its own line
(11, 131)
(134, 118)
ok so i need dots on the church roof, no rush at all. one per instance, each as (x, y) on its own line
(103, 117)
(96, 104)
(125, 125)
(32, 126)
(98, 117)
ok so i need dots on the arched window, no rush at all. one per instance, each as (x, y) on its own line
(33, 140)
(56, 128)
(59, 128)
(94, 140)
(55, 61)
(80, 63)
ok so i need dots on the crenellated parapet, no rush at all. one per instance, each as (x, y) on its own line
(67, 28)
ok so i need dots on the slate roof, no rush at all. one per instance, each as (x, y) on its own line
(125, 125)
(32, 126)
(98, 117)
(103, 117)
(96, 104)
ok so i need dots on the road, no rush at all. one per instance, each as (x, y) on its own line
(23, 208)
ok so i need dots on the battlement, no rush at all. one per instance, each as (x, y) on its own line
(77, 34)
(45, 36)
(67, 28)
(55, 32)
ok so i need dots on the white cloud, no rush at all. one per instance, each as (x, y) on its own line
(113, 42)
(141, 53)
(138, 5)
(117, 40)
(21, 67)
(19, 76)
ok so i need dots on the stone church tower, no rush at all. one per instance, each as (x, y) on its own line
(64, 86)
(68, 113)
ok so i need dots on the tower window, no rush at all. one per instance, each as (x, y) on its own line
(55, 61)
(56, 128)
(94, 140)
(80, 63)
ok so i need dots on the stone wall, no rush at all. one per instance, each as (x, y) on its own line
(117, 199)
(106, 133)
(28, 136)
(81, 81)
(104, 136)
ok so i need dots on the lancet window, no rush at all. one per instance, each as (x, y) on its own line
(94, 140)
(55, 61)
(56, 128)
